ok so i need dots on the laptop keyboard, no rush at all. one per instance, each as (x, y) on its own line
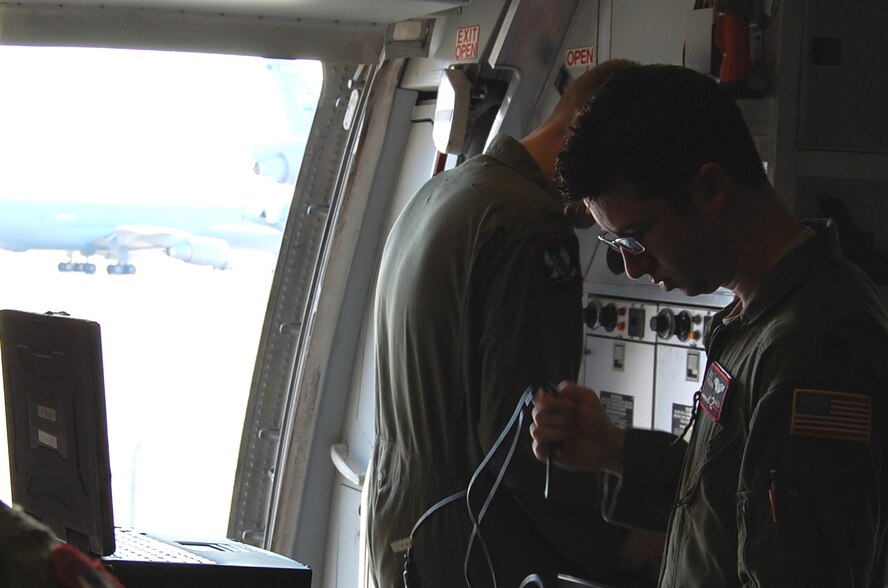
(132, 545)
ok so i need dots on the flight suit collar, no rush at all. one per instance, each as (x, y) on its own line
(797, 265)
(512, 153)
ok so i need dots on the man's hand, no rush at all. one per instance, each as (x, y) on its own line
(573, 424)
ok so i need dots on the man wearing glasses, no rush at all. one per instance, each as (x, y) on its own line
(783, 481)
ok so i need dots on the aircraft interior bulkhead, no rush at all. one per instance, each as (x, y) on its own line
(414, 87)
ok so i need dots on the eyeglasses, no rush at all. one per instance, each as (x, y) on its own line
(630, 243)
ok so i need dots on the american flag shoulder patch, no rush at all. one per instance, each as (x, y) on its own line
(831, 415)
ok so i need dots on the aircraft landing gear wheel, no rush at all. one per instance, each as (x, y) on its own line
(121, 268)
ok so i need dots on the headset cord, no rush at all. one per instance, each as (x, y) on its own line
(694, 411)
(411, 578)
(518, 416)
(532, 580)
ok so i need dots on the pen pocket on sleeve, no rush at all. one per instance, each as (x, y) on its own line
(759, 536)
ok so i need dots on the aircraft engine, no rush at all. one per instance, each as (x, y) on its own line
(201, 251)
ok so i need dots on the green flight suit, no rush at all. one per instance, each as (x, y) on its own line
(31, 556)
(784, 481)
(479, 296)
(25, 548)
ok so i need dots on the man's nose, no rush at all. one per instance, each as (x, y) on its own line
(637, 265)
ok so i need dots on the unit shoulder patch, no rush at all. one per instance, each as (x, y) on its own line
(556, 258)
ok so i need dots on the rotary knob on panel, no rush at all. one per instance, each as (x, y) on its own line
(609, 317)
(683, 325)
(667, 323)
(663, 323)
(597, 315)
(592, 314)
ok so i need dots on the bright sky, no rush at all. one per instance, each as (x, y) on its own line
(181, 119)
(179, 340)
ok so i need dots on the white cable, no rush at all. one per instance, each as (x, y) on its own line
(518, 415)
(532, 579)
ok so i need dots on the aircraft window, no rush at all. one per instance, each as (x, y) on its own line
(148, 191)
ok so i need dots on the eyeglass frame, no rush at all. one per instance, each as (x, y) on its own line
(630, 243)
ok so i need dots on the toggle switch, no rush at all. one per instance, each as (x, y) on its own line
(619, 356)
(692, 367)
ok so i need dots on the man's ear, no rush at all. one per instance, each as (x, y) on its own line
(711, 185)
(578, 214)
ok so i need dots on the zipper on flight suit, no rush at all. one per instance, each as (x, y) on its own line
(679, 511)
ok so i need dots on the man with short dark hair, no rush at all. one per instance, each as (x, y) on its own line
(783, 481)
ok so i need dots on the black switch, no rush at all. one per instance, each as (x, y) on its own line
(635, 328)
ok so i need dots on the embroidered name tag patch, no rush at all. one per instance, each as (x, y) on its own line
(715, 391)
(831, 415)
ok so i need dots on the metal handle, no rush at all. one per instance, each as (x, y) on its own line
(345, 466)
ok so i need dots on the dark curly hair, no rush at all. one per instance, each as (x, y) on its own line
(654, 126)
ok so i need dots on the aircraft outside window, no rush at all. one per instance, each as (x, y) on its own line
(148, 191)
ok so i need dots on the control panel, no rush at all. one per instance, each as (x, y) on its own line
(684, 326)
(645, 359)
(620, 318)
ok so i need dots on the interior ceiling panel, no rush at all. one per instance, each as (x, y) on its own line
(339, 31)
(367, 11)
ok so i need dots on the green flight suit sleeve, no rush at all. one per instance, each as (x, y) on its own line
(807, 511)
(25, 548)
(531, 334)
(31, 556)
(813, 476)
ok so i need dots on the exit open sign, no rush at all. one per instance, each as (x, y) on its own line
(467, 42)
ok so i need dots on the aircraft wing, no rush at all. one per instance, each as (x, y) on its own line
(212, 247)
(176, 243)
(133, 237)
(195, 235)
